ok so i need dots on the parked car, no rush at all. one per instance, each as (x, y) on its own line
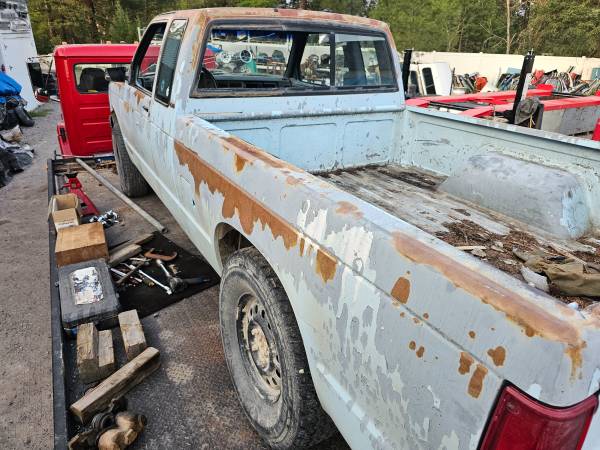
(340, 221)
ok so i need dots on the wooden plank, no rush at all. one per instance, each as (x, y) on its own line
(117, 256)
(87, 352)
(117, 385)
(133, 333)
(80, 243)
(106, 354)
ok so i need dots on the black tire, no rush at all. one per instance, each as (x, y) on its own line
(24, 117)
(278, 398)
(132, 181)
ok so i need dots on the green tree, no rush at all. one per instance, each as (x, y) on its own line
(122, 28)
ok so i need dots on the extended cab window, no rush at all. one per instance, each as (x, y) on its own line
(143, 71)
(169, 60)
(91, 78)
(279, 62)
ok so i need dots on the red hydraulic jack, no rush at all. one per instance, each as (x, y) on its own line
(74, 186)
(596, 135)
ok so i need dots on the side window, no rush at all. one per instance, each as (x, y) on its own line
(91, 78)
(169, 60)
(143, 71)
(315, 64)
(362, 61)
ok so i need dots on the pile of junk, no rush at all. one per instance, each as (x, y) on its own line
(15, 155)
(567, 82)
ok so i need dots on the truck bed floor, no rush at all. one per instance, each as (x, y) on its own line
(412, 195)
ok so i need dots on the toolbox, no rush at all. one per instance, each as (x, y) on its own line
(87, 294)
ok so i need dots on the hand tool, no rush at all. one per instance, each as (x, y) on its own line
(145, 275)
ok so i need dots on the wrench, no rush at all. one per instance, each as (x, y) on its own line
(144, 274)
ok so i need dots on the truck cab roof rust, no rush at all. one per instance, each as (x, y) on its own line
(83, 89)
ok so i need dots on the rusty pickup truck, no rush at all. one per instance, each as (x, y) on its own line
(368, 250)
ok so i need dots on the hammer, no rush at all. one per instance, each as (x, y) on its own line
(179, 284)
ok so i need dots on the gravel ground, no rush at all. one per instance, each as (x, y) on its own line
(190, 401)
(25, 381)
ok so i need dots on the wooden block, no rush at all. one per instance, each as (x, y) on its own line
(121, 254)
(80, 243)
(87, 352)
(133, 333)
(117, 385)
(106, 353)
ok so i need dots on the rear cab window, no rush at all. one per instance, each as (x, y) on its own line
(275, 61)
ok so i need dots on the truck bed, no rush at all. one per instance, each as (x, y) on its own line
(412, 194)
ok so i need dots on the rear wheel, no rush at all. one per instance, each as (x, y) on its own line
(266, 357)
(132, 181)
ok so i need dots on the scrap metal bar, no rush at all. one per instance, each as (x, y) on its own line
(155, 223)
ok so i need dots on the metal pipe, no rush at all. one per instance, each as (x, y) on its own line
(155, 223)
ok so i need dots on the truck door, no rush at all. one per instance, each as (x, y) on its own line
(142, 138)
(162, 115)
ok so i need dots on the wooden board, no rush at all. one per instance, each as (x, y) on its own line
(87, 352)
(117, 385)
(106, 354)
(121, 254)
(80, 243)
(133, 333)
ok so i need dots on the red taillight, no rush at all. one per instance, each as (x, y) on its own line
(520, 423)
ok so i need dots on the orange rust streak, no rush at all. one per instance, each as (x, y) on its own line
(251, 153)
(476, 381)
(326, 265)
(239, 163)
(466, 361)
(302, 247)
(348, 208)
(401, 290)
(498, 355)
(533, 319)
(235, 199)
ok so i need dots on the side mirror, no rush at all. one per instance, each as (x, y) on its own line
(115, 74)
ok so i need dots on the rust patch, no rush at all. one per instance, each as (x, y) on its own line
(138, 96)
(412, 345)
(466, 361)
(301, 247)
(472, 334)
(401, 290)
(426, 316)
(251, 153)
(348, 208)
(126, 106)
(533, 319)
(498, 355)
(416, 320)
(402, 314)
(239, 163)
(249, 211)
(420, 352)
(476, 381)
(293, 181)
(326, 266)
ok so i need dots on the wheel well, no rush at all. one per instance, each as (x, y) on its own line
(229, 240)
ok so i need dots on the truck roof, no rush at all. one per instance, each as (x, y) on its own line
(84, 50)
(208, 14)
